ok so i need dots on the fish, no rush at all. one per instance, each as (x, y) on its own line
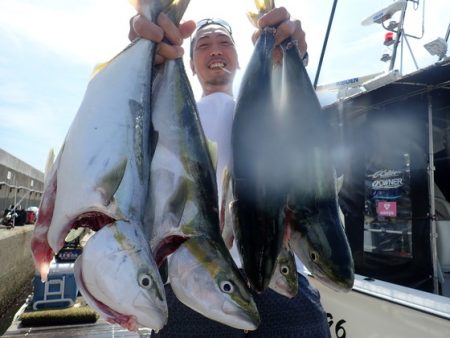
(106, 147)
(260, 198)
(199, 267)
(262, 6)
(182, 208)
(226, 210)
(100, 180)
(305, 173)
(284, 280)
(41, 251)
(118, 278)
(312, 211)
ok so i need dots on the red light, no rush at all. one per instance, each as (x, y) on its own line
(388, 37)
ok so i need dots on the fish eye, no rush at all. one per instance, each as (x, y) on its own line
(226, 286)
(284, 270)
(314, 256)
(145, 281)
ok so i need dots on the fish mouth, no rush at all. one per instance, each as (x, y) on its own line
(248, 320)
(337, 280)
(112, 316)
(338, 286)
(92, 219)
(157, 321)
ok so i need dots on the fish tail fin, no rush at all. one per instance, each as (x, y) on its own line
(143, 7)
(99, 67)
(263, 6)
(173, 8)
(253, 17)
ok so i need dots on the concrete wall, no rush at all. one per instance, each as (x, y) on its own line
(17, 266)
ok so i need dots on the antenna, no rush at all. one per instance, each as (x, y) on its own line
(438, 46)
(396, 34)
(385, 14)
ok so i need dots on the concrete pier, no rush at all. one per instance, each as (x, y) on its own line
(17, 266)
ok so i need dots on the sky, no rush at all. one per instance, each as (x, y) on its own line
(48, 49)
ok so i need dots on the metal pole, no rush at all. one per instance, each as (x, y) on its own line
(431, 168)
(325, 42)
(397, 40)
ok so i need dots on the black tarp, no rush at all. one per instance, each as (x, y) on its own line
(382, 130)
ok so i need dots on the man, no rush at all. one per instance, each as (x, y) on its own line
(214, 61)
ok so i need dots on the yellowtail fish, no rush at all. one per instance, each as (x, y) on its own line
(182, 214)
(116, 276)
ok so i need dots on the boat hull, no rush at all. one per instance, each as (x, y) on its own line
(378, 309)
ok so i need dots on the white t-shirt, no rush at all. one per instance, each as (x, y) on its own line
(216, 112)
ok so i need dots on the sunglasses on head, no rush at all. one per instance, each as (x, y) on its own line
(204, 23)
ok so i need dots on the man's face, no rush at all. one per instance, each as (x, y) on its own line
(214, 57)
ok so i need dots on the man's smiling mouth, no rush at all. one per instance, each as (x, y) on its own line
(217, 65)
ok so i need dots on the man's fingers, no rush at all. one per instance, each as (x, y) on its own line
(171, 31)
(141, 27)
(281, 19)
(284, 30)
(159, 59)
(169, 52)
(294, 30)
(274, 17)
(187, 28)
(300, 36)
(132, 33)
(164, 28)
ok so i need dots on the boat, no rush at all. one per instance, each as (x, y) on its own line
(393, 150)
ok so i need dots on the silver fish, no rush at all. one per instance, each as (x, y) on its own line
(101, 177)
(116, 276)
(106, 145)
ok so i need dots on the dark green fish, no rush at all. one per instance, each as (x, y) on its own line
(259, 196)
(312, 211)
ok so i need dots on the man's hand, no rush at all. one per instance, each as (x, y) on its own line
(280, 18)
(163, 29)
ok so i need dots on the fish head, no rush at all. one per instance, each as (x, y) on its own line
(204, 277)
(320, 243)
(285, 279)
(118, 277)
(93, 204)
